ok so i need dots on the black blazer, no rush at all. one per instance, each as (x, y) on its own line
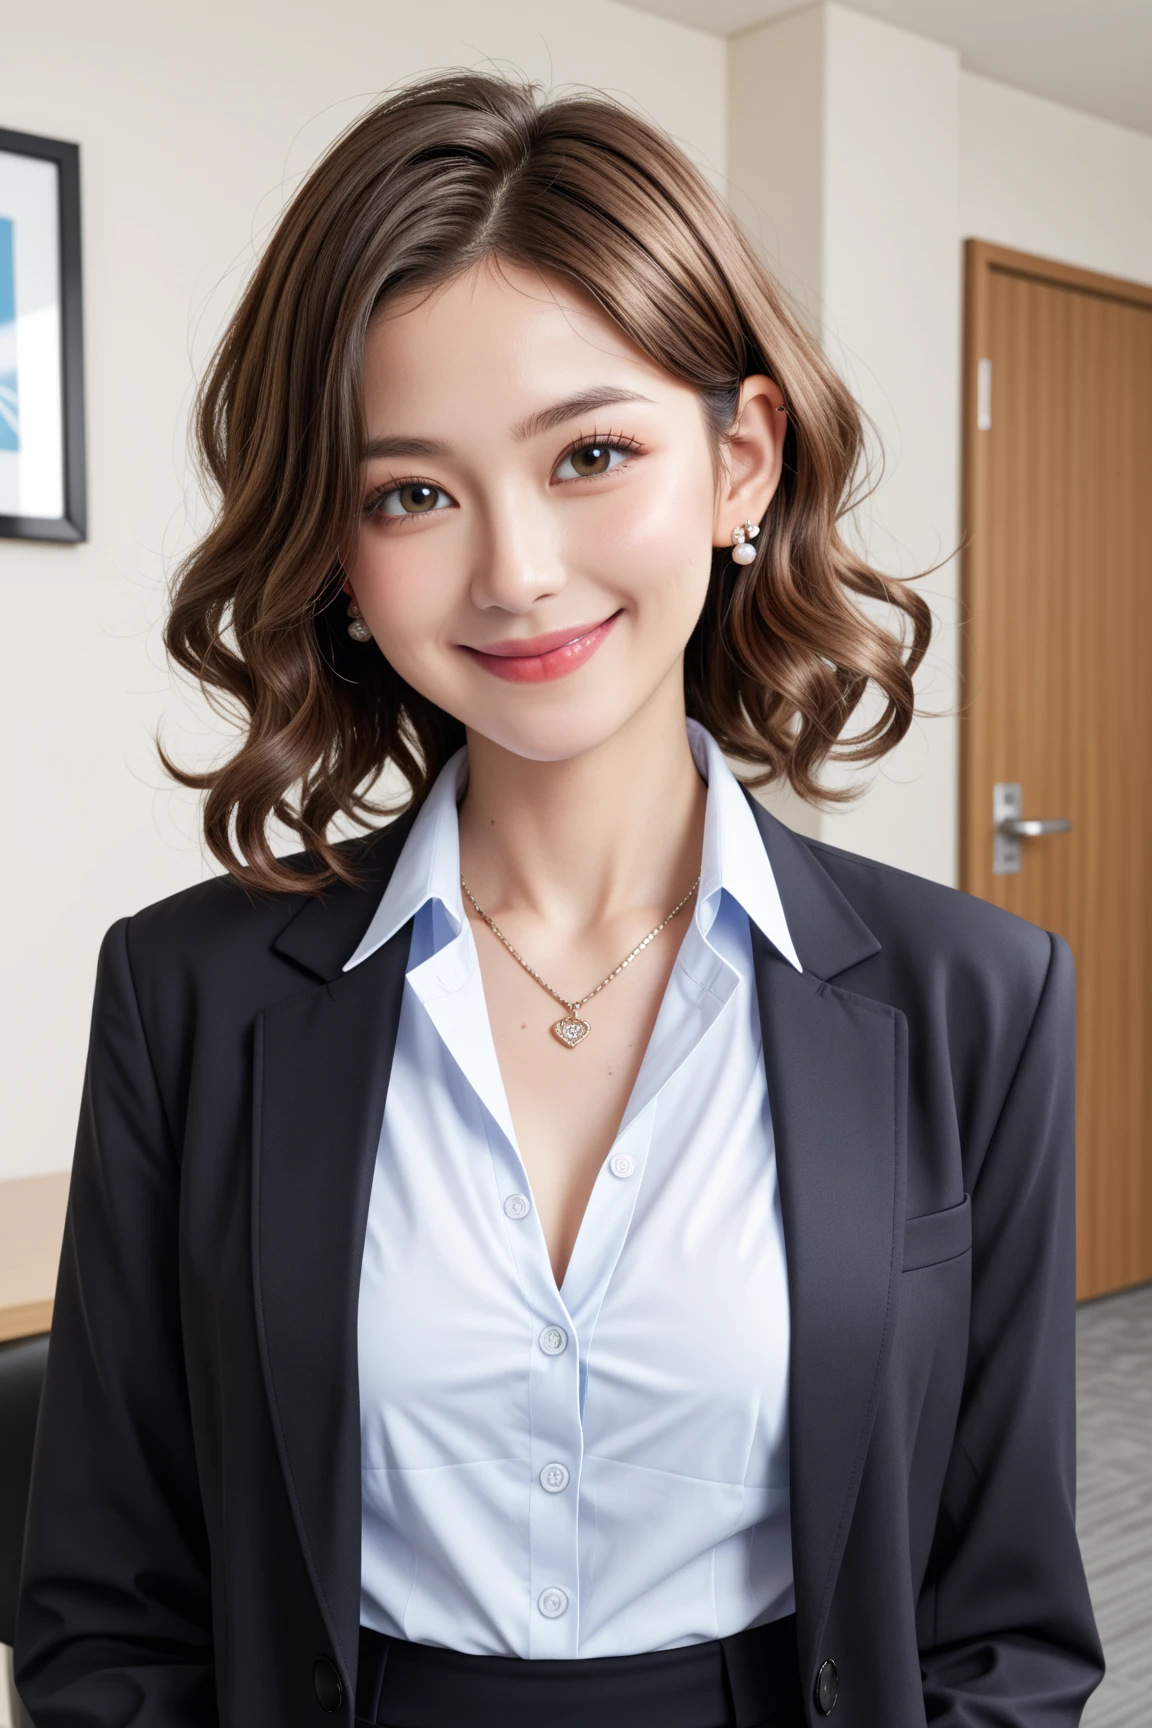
(193, 1544)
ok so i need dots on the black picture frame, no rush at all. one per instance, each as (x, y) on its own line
(73, 524)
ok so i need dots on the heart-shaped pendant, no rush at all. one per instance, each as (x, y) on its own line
(571, 1031)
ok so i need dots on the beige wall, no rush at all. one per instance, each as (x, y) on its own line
(194, 121)
(1047, 179)
(892, 320)
(843, 144)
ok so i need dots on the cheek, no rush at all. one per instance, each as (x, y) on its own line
(405, 595)
(653, 538)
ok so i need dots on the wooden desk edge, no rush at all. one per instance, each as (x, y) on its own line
(25, 1320)
(32, 1210)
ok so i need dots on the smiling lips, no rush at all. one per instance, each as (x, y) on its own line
(540, 658)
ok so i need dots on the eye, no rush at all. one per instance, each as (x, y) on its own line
(411, 498)
(596, 456)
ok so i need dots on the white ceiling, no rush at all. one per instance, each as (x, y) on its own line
(1092, 54)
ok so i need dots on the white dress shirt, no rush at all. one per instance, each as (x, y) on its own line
(599, 1469)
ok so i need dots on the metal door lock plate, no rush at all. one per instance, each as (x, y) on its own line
(1011, 828)
(1007, 849)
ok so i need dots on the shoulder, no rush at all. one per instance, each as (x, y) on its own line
(220, 909)
(898, 904)
(223, 923)
(947, 958)
(977, 986)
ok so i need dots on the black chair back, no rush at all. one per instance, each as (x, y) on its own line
(22, 1364)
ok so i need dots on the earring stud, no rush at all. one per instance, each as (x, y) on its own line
(357, 628)
(743, 552)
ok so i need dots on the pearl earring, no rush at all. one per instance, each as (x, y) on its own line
(357, 628)
(743, 552)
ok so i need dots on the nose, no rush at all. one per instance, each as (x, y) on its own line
(518, 561)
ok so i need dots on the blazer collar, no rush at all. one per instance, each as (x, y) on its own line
(829, 934)
(323, 929)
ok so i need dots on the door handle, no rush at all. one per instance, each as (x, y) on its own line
(1035, 826)
(1010, 828)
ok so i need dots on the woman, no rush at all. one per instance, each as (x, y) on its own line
(581, 1254)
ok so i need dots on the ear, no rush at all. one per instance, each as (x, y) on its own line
(752, 457)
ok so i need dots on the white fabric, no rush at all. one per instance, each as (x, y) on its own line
(666, 1407)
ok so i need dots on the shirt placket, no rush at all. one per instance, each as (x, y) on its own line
(562, 1327)
(555, 1441)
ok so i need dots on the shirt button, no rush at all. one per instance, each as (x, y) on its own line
(621, 1165)
(552, 1603)
(554, 1477)
(517, 1206)
(553, 1342)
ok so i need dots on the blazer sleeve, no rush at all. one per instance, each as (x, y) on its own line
(114, 1624)
(1007, 1634)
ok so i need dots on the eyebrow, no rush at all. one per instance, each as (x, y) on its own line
(543, 420)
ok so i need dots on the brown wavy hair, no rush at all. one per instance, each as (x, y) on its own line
(441, 174)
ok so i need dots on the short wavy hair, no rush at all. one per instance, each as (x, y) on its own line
(443, 173)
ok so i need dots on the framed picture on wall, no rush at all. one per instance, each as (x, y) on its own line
(42, 480)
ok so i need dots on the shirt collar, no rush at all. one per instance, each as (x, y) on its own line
(733, 859)
(428, 868)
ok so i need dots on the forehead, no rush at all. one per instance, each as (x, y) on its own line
(494, 340)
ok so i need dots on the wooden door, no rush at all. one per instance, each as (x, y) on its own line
(1058, 683)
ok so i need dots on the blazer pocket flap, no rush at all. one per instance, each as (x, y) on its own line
(937, 1236)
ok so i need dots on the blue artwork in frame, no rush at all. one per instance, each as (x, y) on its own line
(42, 465)
(9, 398)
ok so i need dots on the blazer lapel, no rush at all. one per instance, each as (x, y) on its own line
(322, 1065)
(836, 1067)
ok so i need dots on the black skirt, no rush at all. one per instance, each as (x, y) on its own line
(751, 1680)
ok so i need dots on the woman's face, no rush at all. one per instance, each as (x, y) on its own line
(540, 504)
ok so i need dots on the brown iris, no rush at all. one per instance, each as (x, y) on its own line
(591, 459)
(417, 497)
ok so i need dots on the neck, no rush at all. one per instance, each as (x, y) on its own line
(581, 840)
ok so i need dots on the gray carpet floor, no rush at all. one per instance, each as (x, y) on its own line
(1114, 1498)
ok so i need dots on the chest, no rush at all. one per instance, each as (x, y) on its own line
(668, 1334)
(566, 1102)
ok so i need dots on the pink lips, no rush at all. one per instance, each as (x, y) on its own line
(537, 659)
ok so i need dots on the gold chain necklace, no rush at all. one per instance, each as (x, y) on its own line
(572, 1030)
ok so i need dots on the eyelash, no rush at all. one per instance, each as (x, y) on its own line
(606, 440)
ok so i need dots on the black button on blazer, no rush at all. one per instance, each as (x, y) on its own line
(193, 1544)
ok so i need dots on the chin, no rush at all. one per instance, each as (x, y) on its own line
(562, 719)
(561, 737)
